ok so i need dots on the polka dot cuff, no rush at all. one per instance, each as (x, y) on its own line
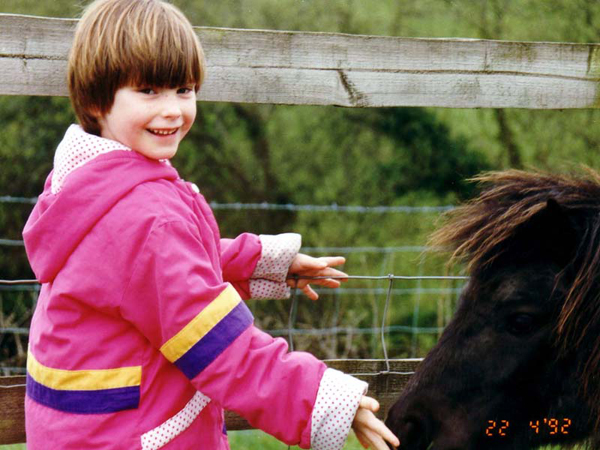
(269, 278)
(169, 430)
(266, 289)
(337, 402)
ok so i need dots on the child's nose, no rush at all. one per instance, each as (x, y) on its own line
(170, 106)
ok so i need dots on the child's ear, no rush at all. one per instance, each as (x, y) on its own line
(95, 113)
(98, 116)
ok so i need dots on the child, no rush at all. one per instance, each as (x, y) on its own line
(141, 337)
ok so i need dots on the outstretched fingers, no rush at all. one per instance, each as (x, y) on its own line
(322, 268)
(370, 431)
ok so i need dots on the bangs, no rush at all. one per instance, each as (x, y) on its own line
(171, 72)
(159, 50)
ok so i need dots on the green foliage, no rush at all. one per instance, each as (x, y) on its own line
(56, 8)
(425, 158)
(31, 129)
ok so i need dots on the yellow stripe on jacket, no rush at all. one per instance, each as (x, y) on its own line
(83, 380)
(200, 325)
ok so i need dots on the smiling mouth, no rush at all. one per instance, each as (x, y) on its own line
(165, 132)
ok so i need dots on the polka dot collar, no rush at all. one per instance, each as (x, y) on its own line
(76, 149)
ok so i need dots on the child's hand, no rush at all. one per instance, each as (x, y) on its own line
(370, 431)
(304, 265)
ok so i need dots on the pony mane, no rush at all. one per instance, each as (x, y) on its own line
(481, 230)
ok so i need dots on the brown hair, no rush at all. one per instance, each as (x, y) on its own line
(129, 42)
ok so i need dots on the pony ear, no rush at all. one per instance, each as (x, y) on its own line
(552, 232)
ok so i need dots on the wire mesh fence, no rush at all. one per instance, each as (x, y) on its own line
(305, 330)
(382, 315)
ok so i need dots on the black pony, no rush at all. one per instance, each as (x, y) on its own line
(518, 366)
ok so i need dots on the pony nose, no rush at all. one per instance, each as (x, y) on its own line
(413, 427)
(427, 421)
(414, 431)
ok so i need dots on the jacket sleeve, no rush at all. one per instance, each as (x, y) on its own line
(257, 266)
(180, 303)
(268, 281)
(239, 258)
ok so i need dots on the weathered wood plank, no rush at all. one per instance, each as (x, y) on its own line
(383, 386)
(12, 416)
(280, 67)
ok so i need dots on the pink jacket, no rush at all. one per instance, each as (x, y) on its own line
(140, 337)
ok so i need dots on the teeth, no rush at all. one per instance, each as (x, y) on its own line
(163, 132)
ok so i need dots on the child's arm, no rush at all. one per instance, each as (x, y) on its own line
(239, 259)
(260, 266)
(370, 431)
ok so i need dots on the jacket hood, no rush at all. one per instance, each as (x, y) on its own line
(63, 217)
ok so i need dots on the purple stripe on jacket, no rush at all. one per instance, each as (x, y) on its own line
(207, 349)
(84, 402)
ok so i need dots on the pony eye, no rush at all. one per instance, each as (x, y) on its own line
(522, 323)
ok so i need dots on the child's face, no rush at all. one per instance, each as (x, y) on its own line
(151, 121)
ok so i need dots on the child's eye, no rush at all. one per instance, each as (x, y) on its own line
(147, 91)
(185, 90)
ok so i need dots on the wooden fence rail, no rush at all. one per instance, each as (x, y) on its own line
(282, 67)
(384, 386)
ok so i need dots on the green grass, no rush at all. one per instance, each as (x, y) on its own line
(253, 439)
(242, 440)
